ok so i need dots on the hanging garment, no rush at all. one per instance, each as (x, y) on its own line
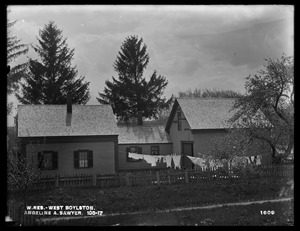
(211, 164)
(161, 159)
(135, 156)
(251, 159)
(248, 160)
(150, 160)
(197, 161)
(168, 161)
(157, 158)
(176, 160)
(204, 167)
(258, 160)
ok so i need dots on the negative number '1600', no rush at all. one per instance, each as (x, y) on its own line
(267, 212)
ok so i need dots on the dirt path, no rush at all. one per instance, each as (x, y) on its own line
(167, 210)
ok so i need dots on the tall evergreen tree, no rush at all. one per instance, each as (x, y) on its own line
(14, 50)
(51, 79)
(131, 92)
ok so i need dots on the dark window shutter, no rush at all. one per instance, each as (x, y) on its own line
(140, 150)
(40, 160)
(76, 159)
(90, 159)
(54, 160)
(127, 151)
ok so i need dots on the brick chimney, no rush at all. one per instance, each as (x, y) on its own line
(69, 110)
(69, 104)
(140, 118)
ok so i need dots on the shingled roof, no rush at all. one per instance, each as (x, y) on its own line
(145, 134)
(202, 113)
(51, 120)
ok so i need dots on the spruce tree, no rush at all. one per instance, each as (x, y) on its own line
(131, 93)
(14, 49)
(15, 72)
(52, 78)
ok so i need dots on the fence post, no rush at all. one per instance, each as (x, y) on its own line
(57, 180)
(127, 179)
(169, 177)
(94, 179)
(158, 177)
(186, 176)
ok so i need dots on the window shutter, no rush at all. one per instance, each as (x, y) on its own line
(90, 159)
(140, 150)
(127, 151)
(40, 160)
(76, 159)
(54, 160)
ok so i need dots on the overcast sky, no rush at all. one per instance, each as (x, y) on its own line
(213, 46)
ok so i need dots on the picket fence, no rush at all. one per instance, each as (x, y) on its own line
(160, 176)
(140, 178)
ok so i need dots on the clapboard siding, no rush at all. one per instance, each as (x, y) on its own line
(103, 156)
(179, 135)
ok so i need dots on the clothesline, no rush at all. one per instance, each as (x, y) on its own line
(204, 163)
(154, 159)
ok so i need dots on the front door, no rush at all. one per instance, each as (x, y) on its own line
(187, 149)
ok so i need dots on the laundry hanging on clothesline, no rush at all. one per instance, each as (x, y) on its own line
(198, 161)
(176, 160)
(204, 163)
(153, 159)
(168, 160)
(135, 156)
(213, 164)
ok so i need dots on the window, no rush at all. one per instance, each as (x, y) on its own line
(133, 149)
(154, 150)
(47, 160)
(179, 121)
(83, 159)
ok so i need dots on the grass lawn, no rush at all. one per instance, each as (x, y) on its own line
(153, 197)
(249, 215)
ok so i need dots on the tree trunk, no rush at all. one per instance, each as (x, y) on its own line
(273, 154)
(290, 144)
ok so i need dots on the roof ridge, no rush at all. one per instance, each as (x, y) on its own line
(62, 105)
(199, 98)
(142, 126)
